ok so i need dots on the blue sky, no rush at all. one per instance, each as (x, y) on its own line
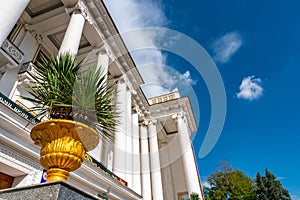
(255, 45)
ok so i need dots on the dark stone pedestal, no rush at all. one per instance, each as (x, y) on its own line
(47, 191)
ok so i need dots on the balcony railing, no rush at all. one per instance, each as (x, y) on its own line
(14, 53)
(17, 109)
(103, 168)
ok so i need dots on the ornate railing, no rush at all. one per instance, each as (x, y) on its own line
(17, 109)
(13, 51)
(103, 168)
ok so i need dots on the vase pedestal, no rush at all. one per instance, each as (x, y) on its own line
(59, 190)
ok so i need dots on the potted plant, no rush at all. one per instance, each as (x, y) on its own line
(79, 108)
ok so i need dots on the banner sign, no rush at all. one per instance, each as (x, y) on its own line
(44, 176)
(17, 109)
(107, 171)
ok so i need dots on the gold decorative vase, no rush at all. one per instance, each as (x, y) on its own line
(63, 145)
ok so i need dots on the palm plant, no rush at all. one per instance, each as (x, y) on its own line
(61, 91)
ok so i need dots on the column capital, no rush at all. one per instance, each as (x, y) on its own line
(121, 80)
(144, 123)
(80, 8)
(153, 121)
(101, 50)
(179, 115)
(136, 109)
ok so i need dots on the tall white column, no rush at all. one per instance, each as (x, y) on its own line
(11, 10)
(189, 162)
(70, 43)
(128, 176)
(103, 61)
(145, 165)
(156, 182)
(119, 165)
(136, 176)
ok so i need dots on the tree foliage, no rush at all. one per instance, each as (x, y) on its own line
(267, 187)
(229, 184)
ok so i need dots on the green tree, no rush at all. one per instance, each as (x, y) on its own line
(267, 187)
(229, 184)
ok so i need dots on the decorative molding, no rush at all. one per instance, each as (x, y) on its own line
(36, 35)
(13, 51)
(20, 161)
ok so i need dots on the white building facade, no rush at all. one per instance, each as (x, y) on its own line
(152, 156)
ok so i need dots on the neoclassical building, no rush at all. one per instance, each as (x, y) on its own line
(152, 156)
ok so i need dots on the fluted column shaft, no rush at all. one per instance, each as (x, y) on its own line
(156, 182)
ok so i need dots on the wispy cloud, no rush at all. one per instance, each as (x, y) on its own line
(186, 76)
(294, 197)
(250, 88)
(131, 14)
(226, 46)
(160, 79)
(206, 184)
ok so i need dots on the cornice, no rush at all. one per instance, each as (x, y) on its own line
(180, 107)
(20, 161)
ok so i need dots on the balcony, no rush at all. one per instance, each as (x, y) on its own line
(12, 53)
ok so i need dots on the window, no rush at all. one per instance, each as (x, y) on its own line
(183, 196)
(40, 52)
(14, 32)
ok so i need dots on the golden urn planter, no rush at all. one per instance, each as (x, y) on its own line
(63, 145)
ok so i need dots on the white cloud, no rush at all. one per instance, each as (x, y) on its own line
(206, 184)
(131, 14)
(226, 46)
(186, 76)
(161, 79)
(250, 88)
